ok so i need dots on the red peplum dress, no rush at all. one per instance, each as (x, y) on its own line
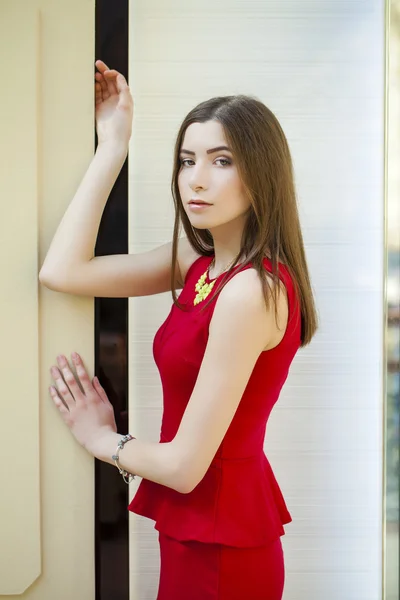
(238, 503)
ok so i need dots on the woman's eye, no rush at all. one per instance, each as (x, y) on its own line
(225, 160)
(186, 160)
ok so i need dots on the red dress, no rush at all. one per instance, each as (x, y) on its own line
(238, 503)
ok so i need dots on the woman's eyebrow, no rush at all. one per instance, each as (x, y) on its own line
(211, 151)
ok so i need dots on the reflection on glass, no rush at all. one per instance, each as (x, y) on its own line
(111, 334)
(393, 311)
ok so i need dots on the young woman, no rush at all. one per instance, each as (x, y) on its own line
(224, 351)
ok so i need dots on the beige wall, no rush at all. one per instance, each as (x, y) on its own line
(46, 142)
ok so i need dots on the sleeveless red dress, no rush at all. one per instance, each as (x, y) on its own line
(238, 502)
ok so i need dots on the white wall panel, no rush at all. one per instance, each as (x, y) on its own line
(319, 65)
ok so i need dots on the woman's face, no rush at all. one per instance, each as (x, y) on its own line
(210, 176)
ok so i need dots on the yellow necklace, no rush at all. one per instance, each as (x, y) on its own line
(202, 288)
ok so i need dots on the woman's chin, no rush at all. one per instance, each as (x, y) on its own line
(200, 226)
(199, 223)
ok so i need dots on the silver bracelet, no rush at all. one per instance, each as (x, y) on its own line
(127, 477)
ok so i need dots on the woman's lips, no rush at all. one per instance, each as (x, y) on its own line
(198, 205)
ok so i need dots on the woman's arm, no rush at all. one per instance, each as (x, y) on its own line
(74, 241)
(70, 265)
(72, 247)
(157, 462)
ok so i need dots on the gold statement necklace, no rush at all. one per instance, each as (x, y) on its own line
(202, 288)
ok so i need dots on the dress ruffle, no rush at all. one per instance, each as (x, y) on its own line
(237, 503)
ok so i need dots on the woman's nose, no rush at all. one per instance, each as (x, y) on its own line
(198, 178)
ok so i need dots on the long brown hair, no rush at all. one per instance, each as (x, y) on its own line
(272, 229)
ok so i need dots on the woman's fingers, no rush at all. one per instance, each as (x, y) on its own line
(103, 84)
(70, 379)
(100, 390)
(98, 92)
(112, 81)
(106, 78)
(110, 77)
(116, 81)
(82, 374)
(62, 388)
(60, 404)
(101, 65)
(100, 78)
(121, 85)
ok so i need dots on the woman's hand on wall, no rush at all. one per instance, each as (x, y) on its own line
(81, 402)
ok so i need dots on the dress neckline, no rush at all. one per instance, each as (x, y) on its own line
(210, 259)
(208, 280)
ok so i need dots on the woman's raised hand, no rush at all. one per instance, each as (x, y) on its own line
(114, 105)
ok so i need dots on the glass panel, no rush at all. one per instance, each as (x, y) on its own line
(393, 311)
(111, 331)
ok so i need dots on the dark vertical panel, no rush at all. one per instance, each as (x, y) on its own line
(111, 336)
